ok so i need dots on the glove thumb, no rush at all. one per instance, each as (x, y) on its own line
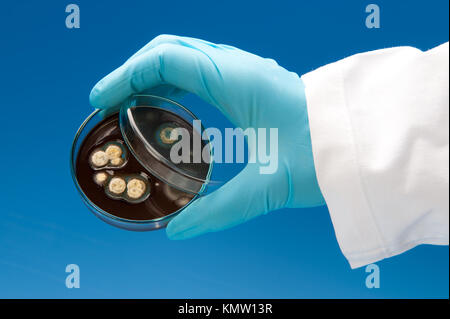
(247, 195)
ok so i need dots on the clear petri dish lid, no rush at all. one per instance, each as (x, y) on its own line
(165, 138)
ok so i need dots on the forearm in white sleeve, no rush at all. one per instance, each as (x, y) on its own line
(380, 135)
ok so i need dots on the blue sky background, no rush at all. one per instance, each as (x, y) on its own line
(47, 72)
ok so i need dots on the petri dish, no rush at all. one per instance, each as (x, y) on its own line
(149, 128)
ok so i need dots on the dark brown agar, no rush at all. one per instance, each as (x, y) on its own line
(163, 199)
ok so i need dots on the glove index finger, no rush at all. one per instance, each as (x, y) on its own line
(122, 82)
(185, 68)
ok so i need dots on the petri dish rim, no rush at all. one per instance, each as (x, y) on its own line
(86, 199)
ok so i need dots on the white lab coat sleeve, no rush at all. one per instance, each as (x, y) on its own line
(380, 135)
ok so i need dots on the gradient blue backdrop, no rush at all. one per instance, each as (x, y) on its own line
(47, 72)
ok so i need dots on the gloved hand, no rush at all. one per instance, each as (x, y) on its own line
(251, 92)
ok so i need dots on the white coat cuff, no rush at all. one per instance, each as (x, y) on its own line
(337, 166)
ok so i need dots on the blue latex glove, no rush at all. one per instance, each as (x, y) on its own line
(251, 92)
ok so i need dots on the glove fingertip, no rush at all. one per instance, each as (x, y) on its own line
(95, 96)
(172, 232)
(187, 224)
